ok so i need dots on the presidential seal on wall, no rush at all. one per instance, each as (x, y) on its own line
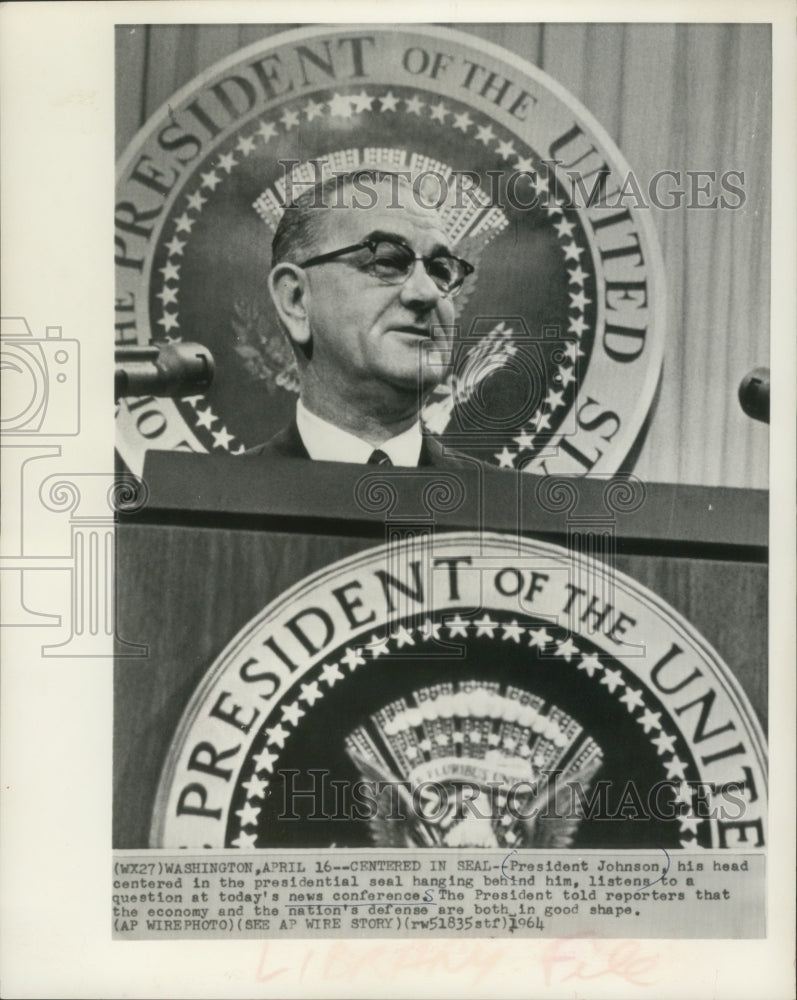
(560, 328)
(468, 690)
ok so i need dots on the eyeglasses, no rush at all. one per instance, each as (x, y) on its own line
(393, 262)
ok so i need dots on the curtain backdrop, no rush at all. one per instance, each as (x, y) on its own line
(675, 97)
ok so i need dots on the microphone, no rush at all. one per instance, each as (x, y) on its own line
(754, 394)
(178, 369)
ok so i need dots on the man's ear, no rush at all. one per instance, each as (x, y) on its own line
(290, 291)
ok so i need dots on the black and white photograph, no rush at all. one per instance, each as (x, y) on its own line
(429, 545)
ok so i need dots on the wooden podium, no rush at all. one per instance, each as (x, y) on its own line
(217, 538)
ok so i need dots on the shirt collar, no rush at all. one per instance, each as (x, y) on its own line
(328, 443)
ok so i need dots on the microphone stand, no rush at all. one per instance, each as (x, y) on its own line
(179, 369)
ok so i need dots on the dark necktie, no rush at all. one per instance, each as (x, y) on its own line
(378, 457)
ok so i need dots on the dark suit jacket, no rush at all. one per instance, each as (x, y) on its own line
(288, 443)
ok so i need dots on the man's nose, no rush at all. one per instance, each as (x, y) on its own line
(419, 290)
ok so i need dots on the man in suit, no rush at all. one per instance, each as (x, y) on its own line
(363, 281)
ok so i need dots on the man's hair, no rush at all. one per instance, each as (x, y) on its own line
(301, 225)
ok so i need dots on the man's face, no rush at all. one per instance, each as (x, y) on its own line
(364, 330)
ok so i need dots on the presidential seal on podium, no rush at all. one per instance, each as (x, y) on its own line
(470, 691)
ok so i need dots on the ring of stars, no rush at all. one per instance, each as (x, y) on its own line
(455, 625)
(349, 105)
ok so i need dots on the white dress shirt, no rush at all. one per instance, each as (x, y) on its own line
(327, 443)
